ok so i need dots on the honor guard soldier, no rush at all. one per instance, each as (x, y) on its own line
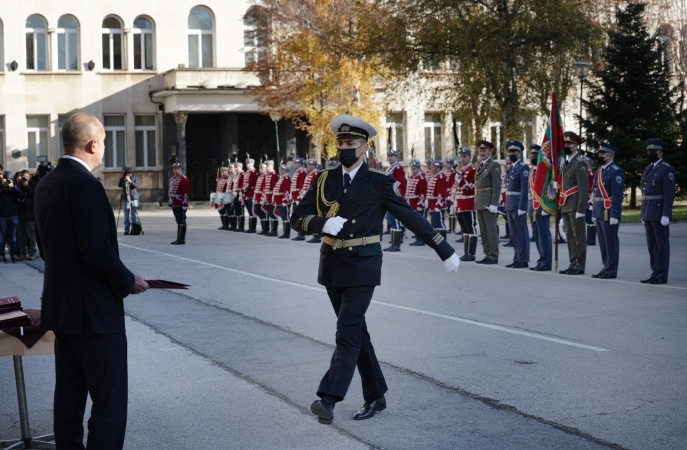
(220, 200)
(239, 216)
(311, 167)
(271, 178)
(346, 206)
(401, 183)
(250, 179)
(541, 219)
(229, 197)
(416, 192)
(450, 166)
(658, 194)
(573, 200)
(487, 194)
(436, 197)
(297, 180)
(281, 195)
(607, 207)
(465, 203)
(259, 199)
(517, 187)
(179, 194)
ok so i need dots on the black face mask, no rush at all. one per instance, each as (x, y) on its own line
(653, 157)
(533, 161)
(567, 150)
(601, 160)
(513, 158)
(347, 156)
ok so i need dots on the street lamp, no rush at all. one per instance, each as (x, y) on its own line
(275, 116)
(581, 69)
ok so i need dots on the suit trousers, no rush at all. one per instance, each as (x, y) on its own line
(353, 346)
(576, 232)
(489, 231)
(609, 246)
(466, 220)
(94, 364)
(657, 240)
(544, 246)
(519, 236)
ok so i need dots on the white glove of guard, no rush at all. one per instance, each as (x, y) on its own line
(521, 212)
(613, 221)
(333, 225)
(493, 209)
(665, 221)
(544, 213)
(579, 215)
(452, 263)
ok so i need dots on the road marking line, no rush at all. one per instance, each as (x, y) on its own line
(389, 305)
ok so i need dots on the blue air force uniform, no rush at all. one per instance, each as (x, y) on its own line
(658, 194)
(607, 200)
(517, 185)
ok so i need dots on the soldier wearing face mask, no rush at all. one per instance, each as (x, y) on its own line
(658, 193)
(607, 201)
(573, 201)
(516, 205)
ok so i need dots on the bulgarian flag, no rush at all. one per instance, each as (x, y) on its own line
(544, 190)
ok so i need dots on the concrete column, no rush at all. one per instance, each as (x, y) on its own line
(180, 119)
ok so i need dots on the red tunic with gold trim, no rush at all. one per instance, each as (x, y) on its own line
(282, 190)
(308, 182)
(436, 192)
(400, 176)
(297, 183)
(450, 183)
(259, 191)
(250, 179)
(179, 191)
(416, 192)
(270, 182)
(465, 188)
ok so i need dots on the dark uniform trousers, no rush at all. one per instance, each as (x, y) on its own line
(520, 237)
(576, 231)
(350, 274)
(490, 230)
(658, 243)
(541, 223)
(609, 245)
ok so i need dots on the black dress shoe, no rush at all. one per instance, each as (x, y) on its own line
(369, 409)
(298, 238)
(467, 257)
(575, 272)
(646, 281)
(520, 265)
(542, 269)
(598, 275)
(508, 244)
(482, 261)
(563, 272)
(658, 281)
(535, 267)
(491, 261)
(323, 410)
(606, 276)
(510, 265)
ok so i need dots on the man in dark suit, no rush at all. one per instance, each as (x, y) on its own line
(658, 194)
(346, 206)
(83, 290)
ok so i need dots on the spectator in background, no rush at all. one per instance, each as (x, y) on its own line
(10, 196)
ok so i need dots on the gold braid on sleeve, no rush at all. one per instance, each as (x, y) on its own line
(333, 206)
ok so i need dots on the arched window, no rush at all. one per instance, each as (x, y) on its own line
(36, 43)
(112, 44)
(255, 29)
(67, 43)
(200, 27)
(143, 44)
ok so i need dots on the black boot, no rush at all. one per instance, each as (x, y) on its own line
(252, 224)
(287, 230)
(264, 227)
(470, 247)
(442, 232)
(232, 223)
(591, 235)
(225, 223)
(176, 242)
(274, 226)
(181, 235)
(241, 223)
(395, 241)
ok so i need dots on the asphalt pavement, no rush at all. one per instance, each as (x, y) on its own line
(490, 357)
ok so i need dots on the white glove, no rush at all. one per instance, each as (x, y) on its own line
(452, 263)
(521, 212)
(544, 213)
(333, 225)
(579, 215)
(665, 221)
(493, 209)
(613, 221)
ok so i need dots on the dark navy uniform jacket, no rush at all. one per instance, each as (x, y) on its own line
(517, 186)
(613, 180)
(369, 196)
(658, 191)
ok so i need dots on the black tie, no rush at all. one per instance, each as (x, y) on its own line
(347, 182)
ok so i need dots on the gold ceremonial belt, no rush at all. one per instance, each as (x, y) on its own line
(483, 189)
(341, 243)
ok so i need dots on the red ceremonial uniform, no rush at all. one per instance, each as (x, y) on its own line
(238, 183)
(465, 188)
(259, 191)
(179, 191)
(250, 179)
(309, 178)
(450, 183)
(416, 192)
(270, 182)
(281, 191)
(297, 183)
(400, 176)
(436, 192)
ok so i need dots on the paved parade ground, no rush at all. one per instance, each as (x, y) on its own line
(488, 358)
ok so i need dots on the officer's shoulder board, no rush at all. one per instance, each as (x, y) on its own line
(377, 171)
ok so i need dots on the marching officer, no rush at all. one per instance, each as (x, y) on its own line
(517, 179)
(250, 179)
(658, 194)
(179, 195)
(281, 195)
(465, 203)
(401, 183)
(416, 192)
(573, 200)
(607, 202)
(487, 195)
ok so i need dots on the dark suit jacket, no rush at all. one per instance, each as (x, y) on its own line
(658, 183)
(85, 282)
(370, 195)
(575, 174)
